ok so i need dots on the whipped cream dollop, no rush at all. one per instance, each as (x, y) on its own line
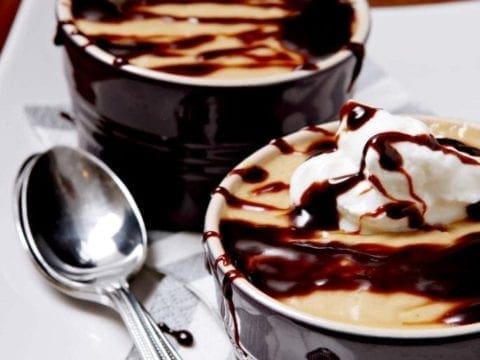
(388, 174)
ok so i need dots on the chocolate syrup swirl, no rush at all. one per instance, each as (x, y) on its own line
(285, 261)
(305, 31)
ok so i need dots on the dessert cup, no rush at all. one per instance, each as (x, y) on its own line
(172, 138)
(261, 327)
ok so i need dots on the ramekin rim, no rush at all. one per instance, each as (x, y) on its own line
(362, 13)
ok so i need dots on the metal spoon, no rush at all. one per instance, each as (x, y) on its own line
(85, 232)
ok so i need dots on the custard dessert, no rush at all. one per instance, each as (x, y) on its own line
(372, 221)
(218, 39)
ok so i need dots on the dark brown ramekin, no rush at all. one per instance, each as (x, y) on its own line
(173, 138)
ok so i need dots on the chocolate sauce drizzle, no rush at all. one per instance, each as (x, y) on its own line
(273, 187)
(325, 145)
(318, 129)
(320, 202)
(209, 234)
(66, 116)
(252, 174)
(460, 146)
(222, 259)
(283, 146)
(311, 30)
(356, 114)
(183, 337)
(237, 202)
(299, 266)
(320, 199)
(228, 279)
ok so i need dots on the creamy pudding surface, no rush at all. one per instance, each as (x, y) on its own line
(374, 221)
(218, 39)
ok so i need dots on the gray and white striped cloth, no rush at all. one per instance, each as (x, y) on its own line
(183, 297)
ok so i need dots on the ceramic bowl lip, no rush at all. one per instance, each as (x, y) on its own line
(215, 249)
(362, 15)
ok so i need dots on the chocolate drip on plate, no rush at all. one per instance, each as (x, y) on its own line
(66, 116)
(183, 337)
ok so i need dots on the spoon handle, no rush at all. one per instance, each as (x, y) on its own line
(167, 345)
(146, 337)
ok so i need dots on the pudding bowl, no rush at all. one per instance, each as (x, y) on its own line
(176, 94)
(290, 288)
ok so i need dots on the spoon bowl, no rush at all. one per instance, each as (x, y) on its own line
(83, 225)
(86, 234)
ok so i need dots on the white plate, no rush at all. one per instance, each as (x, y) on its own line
(35, 321)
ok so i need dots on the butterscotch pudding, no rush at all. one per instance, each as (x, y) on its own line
(373, 221)
(218, 39)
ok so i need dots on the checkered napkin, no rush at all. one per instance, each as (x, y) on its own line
(175, 285)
